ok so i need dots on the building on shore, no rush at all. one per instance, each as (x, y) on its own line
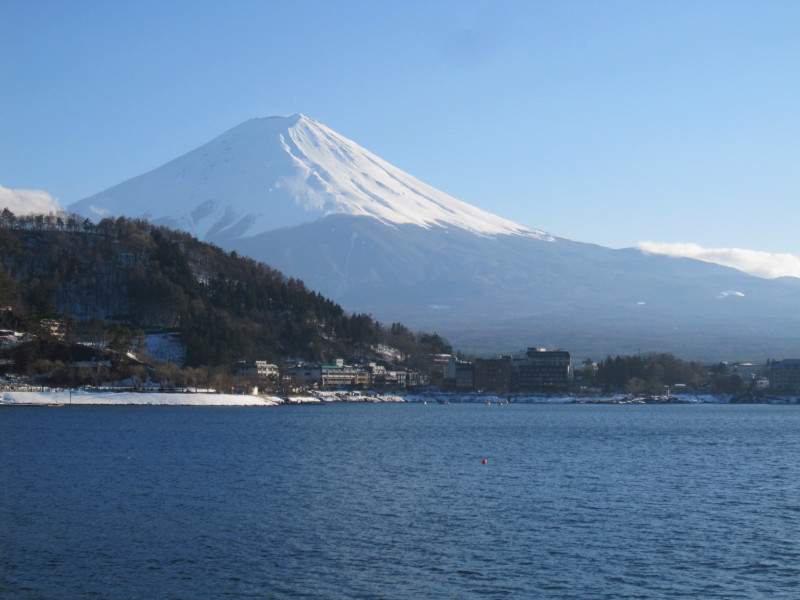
(341, 376)
(542, 371)
(492, 375)
(459, 375)
(784, 375)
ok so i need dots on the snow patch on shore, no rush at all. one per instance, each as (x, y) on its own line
(137, 398)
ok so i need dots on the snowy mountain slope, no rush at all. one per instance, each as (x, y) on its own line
(280, 172)
(294, 194)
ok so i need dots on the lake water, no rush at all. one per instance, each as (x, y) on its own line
(386, 501)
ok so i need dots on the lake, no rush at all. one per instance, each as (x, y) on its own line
(394, 501)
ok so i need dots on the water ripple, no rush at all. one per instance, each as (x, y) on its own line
(379, 501)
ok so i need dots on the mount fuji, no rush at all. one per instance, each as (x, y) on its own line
(295, 194)
(281, 172)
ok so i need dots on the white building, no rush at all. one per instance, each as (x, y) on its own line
(260, 369)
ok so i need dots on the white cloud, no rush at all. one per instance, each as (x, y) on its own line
(23, 202)
(100, 212)
(754, 262)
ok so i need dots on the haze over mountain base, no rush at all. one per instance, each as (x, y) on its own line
(502, 293)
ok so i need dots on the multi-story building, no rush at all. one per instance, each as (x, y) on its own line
(784, 375)
(459, 375)
(436, 366)
(339, 376)
(415, 379)
(379, 376)
(747, 371)
(303, 375)
(258, 369)
(492, 375)
(544, 371)
(398, 379)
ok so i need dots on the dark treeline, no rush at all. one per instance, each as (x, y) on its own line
(140, 276)
(653, 373)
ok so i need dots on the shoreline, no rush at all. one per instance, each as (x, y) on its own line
(204, 398)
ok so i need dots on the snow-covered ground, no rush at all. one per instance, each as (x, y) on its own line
(141, 398)
(48, 397)
(338, 396)
(58, 397)
(165, 346)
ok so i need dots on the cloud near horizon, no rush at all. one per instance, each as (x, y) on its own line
(24, 202)
(753, 262)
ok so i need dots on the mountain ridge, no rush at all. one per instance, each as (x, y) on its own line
(298, 196)
(274, 172)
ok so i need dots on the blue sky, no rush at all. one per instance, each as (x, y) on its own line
(610, 122)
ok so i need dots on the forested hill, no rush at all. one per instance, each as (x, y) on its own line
(140, 276)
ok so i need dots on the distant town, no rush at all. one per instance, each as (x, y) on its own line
(539, 371)
(536, 371)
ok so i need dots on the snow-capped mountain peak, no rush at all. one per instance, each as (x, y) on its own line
(275, 172)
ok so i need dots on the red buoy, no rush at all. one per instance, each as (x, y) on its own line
(484, 461)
